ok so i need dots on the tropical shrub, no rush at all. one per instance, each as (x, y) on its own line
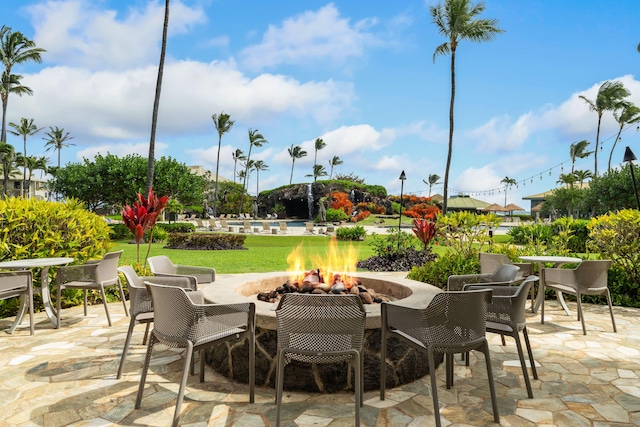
(530, 234)
(351, 233)
(395, 242)
(422, 210)
(425, 231)
(573, 234)
(336, 215)
(438, 271)
(360, 216)
(340, 201)
(466, 232)
(395, 251)
(205, 241)
(615, 236)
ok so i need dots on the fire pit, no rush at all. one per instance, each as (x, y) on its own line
(404, 364)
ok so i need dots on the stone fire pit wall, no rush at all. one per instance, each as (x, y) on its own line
(404, 364)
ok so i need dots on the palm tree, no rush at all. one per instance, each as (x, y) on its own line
(455, 20)
(28, 163)
(57, 140)
(15, 48)
(581, 175)
(567, 179)
(296, 153)
(223, 124)
(318, 170)
(14, 86)
(508, 182)
(335, 161)
(25, 128)
(258, 166)
(578, 150)
(629, 114)
(318, 145)
(433, 180)
(42, 164)
(237, 155)
(7, 159)
(156, 103)
(255, 139)
(609, 98)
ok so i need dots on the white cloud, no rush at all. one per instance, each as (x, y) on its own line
(311, 36)
(78, 33)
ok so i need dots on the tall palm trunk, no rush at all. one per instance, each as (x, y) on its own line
(24, 169)
(215, 194)
(449, 154)
(5, 101)
(595, 153)
(156, 101)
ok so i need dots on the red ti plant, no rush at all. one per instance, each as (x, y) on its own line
(142, 217)
(425, 230)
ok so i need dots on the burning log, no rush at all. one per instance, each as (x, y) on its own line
(314, 283)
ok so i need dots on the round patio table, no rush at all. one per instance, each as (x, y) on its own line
(44, 264)
(557, 261)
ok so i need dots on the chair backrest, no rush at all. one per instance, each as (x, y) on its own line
(283, 225)
(320, 323)
(490, 262)
(14, 283)
(173, 311)
(161, 264)
(132, 278)
(107, 270)
(593, 273)
(266, 226)
(505, 273)
(455, 322)
(508, 303)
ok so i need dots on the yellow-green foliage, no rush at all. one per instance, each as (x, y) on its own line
(616, 236)
(33, 228)
(461, 230)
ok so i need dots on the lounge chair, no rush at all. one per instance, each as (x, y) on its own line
(283, 226)
(309, 228)
(224, 225)
(247, 226)
(266, 228)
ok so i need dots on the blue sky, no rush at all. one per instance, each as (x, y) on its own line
(360, 75)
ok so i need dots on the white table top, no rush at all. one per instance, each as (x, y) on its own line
(35, 262)
(550, 258)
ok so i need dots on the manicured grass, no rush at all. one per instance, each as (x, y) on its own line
(263, 254)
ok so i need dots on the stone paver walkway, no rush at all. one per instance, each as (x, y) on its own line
(67, 377)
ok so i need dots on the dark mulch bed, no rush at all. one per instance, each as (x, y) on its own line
(404, 262)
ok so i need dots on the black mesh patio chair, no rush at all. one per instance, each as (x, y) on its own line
(141, 304)
(490, 262)
(161, 265)
(18, 284)
(505, 316)
(94, 275)
(588, 278)
(183, 320)
(320, 329)
(453, 322)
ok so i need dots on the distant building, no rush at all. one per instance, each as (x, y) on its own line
(37, 189)
(201, 171)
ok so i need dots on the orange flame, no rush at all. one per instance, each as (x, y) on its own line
(334, 265)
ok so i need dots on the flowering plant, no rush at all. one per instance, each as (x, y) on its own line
(425, 230)
(142, 216)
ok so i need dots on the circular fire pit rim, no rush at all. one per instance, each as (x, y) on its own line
(228, 289)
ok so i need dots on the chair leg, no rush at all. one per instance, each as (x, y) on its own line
(104, 301)
(383, 358)
(449, 370)
(85, 302)
(183, 383)
(434, 388)
(542, 307)
(32, 326)
(613, 321)
(145, 368)
(201, 365)
(580, 314)
(358, 385)
(124, 300)
(59, 305)
(127, 341)
(252, 365)
(534, 371)
(492, 388)
(523, 364)
(146, 333)
(279, 384)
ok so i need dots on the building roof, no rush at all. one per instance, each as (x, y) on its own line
(543, 196)
(466, 202)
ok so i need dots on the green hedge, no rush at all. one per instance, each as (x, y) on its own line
(120, 231)
(351, 233)
(205, 241)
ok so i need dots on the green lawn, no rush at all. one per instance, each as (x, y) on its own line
(264, 253)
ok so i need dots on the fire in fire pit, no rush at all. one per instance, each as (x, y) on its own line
(335, 276)
(314, 282)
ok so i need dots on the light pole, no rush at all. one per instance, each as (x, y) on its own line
(403, 177)
(629, 157)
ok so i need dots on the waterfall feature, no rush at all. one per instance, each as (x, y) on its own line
(310, 201)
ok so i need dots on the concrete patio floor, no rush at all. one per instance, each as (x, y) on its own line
(67, 377)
